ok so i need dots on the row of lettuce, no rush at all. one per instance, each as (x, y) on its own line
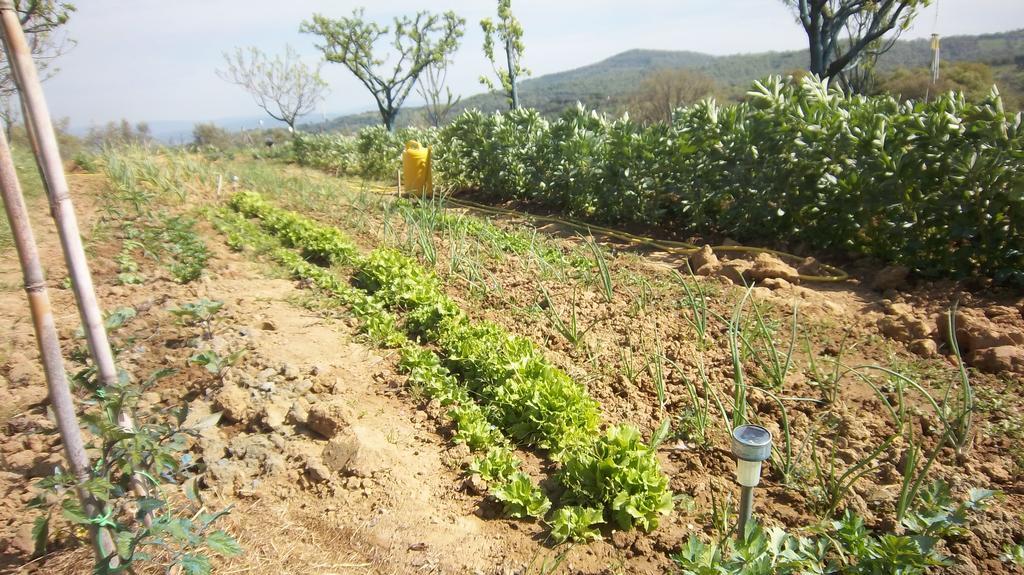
(937, 186)
(500, 390)
(503, 394)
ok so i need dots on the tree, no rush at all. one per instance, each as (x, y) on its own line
(662, 91)
(510, 32)
(419, 42)
(438, 96)
(283, 86)
(841, 32)
(42, 21)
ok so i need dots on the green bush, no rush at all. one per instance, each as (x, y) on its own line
(936, 186)
(373, 153)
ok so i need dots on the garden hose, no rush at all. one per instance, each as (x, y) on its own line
(834, 274)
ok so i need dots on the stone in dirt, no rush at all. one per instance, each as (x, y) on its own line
(776, 283)
(226, 475)
(903, 325)
(24, 541)
(924, 347)
(1001, 359)
(330, 417)
(891, 277)
(30, 463)
(736, 270)
(705, 262)
(358, 451)
(275, 413)
(235, 403)
(317, 471)
(769, 266)
(975, 331)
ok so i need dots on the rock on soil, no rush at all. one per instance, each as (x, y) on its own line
(736, 270)
(330, 417)
(891, 277)
(705, 262)
(975, 331)
(1004, 358)
(769, 266)
(235, 403)
(357, 451)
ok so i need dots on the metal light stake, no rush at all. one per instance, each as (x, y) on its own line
(751, 444)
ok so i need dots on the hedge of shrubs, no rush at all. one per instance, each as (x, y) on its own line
(936, 186)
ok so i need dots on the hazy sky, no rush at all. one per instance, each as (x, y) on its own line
(155, 59)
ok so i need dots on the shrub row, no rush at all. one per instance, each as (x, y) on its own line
(937, 186)
(372, 153)
(516, 393)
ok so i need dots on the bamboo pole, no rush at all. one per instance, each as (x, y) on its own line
(47, 154)
(49, 344)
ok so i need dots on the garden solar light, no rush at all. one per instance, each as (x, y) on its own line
(751, 444)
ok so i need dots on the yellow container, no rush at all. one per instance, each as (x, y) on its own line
(416, 176)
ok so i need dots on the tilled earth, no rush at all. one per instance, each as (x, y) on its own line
(330, 466)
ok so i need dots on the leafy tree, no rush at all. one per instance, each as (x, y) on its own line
(509, 32)
(421, 41)
(41, 20)
(436, 93)
(842, 32)
(283, 86)
(665, 90)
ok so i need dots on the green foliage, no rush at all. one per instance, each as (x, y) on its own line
(911, 183)
(573, 523)
(152, 451)
(1014, 554)
(521, 497)
(622, 474)
(939, 515)
(498, 464)
(373, 153)
(844, 546)
(168, 238)
(508, 68)
(500, 387)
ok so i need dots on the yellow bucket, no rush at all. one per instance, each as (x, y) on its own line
(416, 169)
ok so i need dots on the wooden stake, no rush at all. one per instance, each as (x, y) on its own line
(49, 343)
(44, 143)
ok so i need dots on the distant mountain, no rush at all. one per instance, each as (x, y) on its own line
(604, 84)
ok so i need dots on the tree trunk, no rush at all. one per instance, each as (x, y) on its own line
(513, 89)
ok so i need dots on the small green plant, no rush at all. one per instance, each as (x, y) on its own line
(938, 514)
(574, 523)
(144, 524)
(215, 363)
(498, 464)
(604, 276)
(1013, 554)
(621, 473)
(521, 497)
(201, 313)
(570, 329)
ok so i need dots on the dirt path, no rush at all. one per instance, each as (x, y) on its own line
(404, 510)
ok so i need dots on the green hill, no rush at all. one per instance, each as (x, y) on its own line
(602, 85)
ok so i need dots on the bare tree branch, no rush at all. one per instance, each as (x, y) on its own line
(283, 86)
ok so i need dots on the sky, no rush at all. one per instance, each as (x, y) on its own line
(155, 60)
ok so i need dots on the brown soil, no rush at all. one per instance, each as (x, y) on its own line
(408, 511)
